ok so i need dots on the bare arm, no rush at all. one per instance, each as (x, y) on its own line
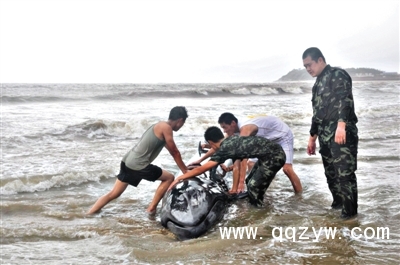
(204, 157)
(238, 176)
(242, 175)
(194, 172)
(235, 176)
(171, 147)
(246, 130)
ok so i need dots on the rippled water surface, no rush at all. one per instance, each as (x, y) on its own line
(62, 145)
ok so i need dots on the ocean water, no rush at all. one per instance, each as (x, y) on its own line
(61, 146)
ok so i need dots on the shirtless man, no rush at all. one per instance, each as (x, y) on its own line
(136, 164)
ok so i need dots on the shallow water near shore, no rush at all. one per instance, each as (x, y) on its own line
(62, 145)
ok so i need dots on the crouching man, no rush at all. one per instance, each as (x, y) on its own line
(271, 159)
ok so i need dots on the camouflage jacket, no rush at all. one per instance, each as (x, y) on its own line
(240, 147)
(332, 101)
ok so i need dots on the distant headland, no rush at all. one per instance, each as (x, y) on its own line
(357, 74)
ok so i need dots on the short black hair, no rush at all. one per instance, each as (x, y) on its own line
(227, 118)
(214, 134)
(178, 112)
(314, 53)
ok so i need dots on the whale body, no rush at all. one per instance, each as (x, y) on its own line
(193, 207)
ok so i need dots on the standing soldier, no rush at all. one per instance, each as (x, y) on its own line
(334, 124)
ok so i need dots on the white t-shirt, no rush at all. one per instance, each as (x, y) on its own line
(269, 127)
(273, 129)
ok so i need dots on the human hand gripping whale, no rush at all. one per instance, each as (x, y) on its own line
(193, 172)
(181, 178)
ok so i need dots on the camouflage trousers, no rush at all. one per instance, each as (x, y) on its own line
(340, 163)
(262, 175)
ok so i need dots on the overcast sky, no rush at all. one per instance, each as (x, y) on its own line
(149, 41)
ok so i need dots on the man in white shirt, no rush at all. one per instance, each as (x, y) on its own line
(269, 127)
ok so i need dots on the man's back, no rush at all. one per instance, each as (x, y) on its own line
(269, 127)
(240, 147)
(145, 151)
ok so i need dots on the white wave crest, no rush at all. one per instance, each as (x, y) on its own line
(18, 186)
(241, 91)
(264, 91)
(293, 90)
(202, 92)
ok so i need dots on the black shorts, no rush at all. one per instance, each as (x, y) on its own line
(133, 177)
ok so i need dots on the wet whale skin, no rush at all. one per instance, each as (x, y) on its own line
(193, 207)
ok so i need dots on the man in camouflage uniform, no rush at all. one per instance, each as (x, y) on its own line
(334, 124)
(271, 159)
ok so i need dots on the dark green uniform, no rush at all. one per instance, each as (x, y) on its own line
(271, 159)
(332, 101)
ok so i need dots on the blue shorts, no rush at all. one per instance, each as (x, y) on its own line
(133, 177)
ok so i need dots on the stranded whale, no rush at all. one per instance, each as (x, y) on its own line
(193, 207)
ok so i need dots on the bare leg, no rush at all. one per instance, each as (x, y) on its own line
(288, 170)
(250, 165)
(118, 189)
(166, 180)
